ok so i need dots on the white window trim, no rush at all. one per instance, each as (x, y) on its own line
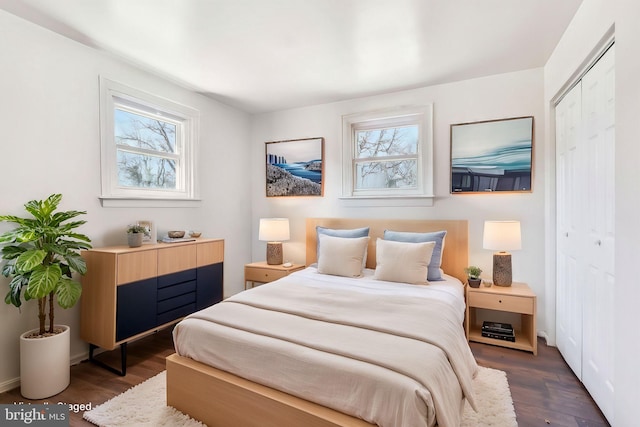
(113, 93)
(423, 116)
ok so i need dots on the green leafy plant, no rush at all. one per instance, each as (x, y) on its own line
(41, 254)
(135, 228)
(473, 272)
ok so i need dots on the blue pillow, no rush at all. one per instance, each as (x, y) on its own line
(336, 232)
(434, 272)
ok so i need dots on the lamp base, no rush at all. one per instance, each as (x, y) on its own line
(274, 253)
(502, 269)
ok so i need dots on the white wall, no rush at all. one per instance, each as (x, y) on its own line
(594, 20)
(501, 96)
(627, 293)
(50, 143)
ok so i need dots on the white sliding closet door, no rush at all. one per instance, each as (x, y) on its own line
(598, 109)
(568, 201)
(585, 148)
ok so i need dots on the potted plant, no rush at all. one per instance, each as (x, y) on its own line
(473, 276)
(135, 233)
(41, 254)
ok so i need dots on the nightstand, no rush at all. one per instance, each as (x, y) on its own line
(261, 272)
(515, 304)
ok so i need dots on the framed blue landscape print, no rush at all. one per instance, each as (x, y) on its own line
(492, 156)
(295, 167)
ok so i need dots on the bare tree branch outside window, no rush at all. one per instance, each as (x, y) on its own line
(147, 154)
(387, 158)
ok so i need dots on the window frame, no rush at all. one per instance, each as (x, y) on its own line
(115, 95)
(422, 117)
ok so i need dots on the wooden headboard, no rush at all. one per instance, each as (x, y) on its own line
(456, 248)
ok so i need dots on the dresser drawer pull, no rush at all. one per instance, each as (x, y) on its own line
(500, 301)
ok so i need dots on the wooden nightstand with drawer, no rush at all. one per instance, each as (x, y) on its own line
(514, 304)
(261, 272)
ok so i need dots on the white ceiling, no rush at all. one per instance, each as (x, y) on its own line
(267, 55)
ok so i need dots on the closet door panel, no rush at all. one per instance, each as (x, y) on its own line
(568, 202)
(598, 111)
(585, 152)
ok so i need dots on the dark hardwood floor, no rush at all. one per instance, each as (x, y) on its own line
(95, 385)
(545, 391)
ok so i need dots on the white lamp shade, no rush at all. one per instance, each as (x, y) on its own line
(274, 229)
(502, 235)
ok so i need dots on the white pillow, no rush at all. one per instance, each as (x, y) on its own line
(342, 256)
(403, 261)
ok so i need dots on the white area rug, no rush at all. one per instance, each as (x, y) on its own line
(146, 405)
(493, 399)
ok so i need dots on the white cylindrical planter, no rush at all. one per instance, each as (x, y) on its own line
(44, 364)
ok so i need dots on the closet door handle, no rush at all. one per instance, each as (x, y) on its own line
(599, 242)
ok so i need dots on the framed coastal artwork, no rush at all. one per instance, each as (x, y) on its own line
(295, 167)
(492, 156)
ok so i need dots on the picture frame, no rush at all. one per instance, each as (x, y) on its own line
(152, 238)
(294, 167)
(492, 156)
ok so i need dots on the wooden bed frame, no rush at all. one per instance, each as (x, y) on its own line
(218, 398)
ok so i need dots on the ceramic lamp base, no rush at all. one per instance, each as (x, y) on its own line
(274, 253)
(502, 269)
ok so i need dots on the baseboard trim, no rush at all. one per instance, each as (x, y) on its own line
(545, 336)
(80, 357)
(9, 385)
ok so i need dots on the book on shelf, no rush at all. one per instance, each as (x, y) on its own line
(500, 336)
(177, 239)
(497, 330)
(497, 327)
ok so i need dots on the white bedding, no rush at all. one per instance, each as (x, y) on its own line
(392, 354)
(449, 290)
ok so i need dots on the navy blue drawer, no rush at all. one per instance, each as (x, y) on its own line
(179, 301)
(175, 290)
(176, 313)
(179, 277)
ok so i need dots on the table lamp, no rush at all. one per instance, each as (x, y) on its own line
(502, 236)
(274, 231)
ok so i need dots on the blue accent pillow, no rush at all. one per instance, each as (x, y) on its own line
(337, 232)
(434, 272)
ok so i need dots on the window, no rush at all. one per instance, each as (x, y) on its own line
(148, 146)
(388, 153)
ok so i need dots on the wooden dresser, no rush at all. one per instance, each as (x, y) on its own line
(129, 292)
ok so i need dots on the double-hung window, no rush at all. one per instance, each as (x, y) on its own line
(148, 146)
(388, 153)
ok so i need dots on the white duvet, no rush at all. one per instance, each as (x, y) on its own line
(392, 354)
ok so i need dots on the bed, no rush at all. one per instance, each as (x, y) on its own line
(299, 351)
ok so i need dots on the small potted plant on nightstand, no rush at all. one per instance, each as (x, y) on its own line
(135, 233)
(473, 276)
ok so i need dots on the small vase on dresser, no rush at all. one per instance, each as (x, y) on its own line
(135, 239)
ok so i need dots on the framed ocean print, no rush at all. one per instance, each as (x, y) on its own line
(295, 167)
(492, 156)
